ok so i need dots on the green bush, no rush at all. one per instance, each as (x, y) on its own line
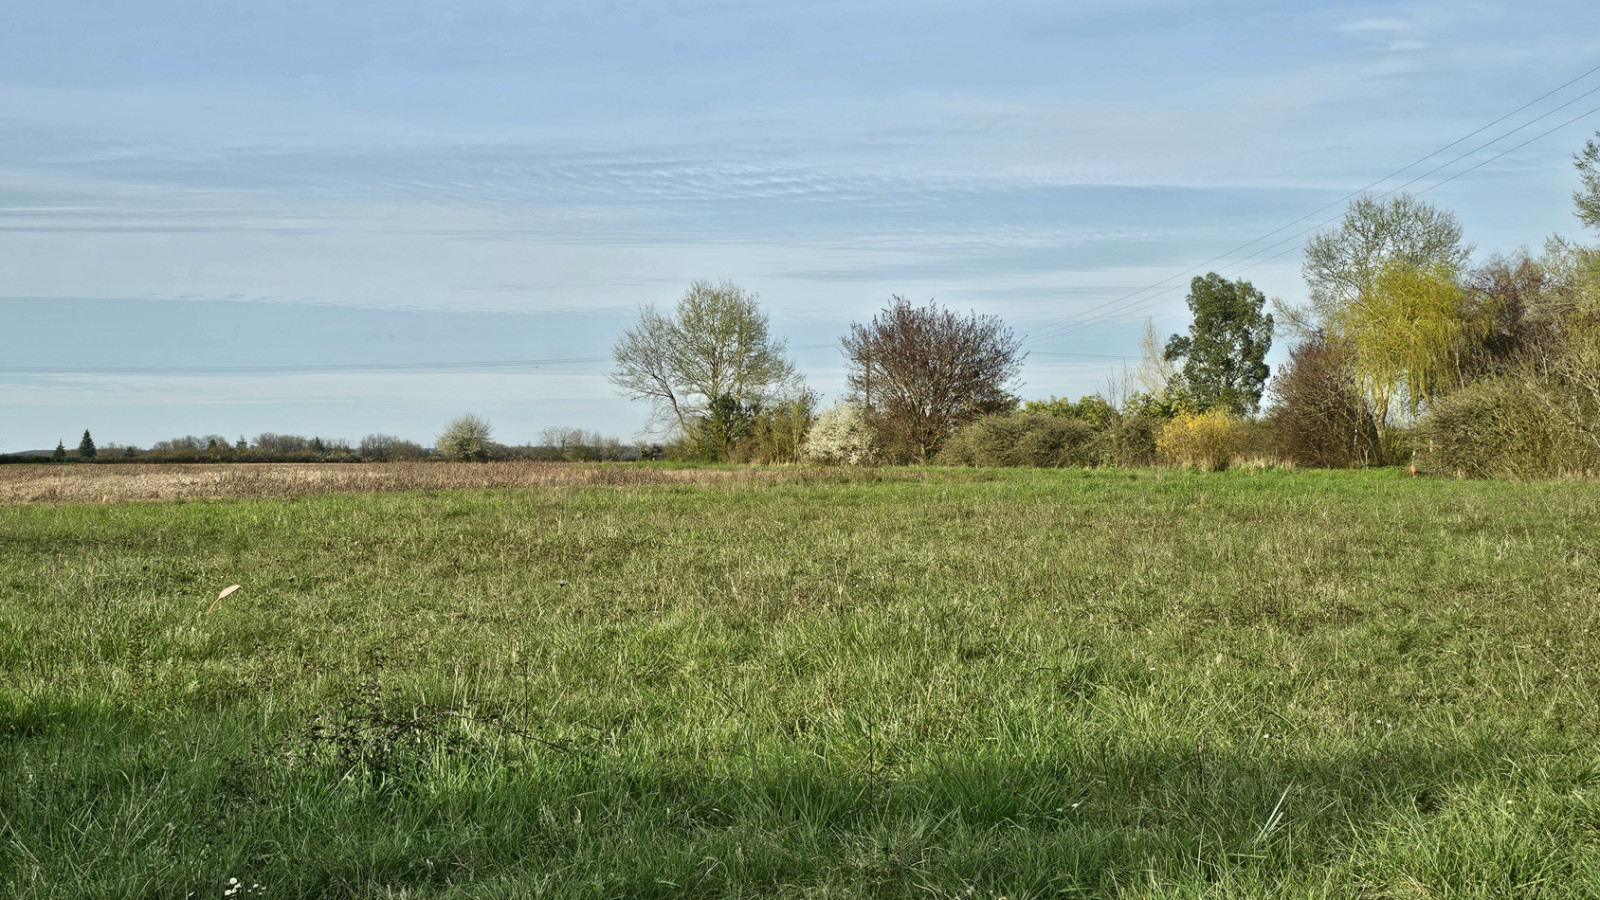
(1127, 440)
(1045, 436)
(1541, 420)
(682, 449)
(1397, 445)
(1033, 439)
(1517, 425)
(777, 431)
(1093, 409)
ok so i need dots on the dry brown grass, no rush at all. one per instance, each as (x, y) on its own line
(111, 483)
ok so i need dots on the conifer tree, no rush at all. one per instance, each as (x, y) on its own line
(86, 449)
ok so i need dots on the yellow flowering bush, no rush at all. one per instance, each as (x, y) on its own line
(1210, 440)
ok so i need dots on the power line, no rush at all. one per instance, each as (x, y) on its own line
(1110, 307)
(1064, 328)
(1525, 143)
(1166, 294)
(1084, 355)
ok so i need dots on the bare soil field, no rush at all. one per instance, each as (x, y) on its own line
(111, 483)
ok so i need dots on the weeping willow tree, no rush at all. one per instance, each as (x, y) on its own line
(1342, 265)
(1407, 333)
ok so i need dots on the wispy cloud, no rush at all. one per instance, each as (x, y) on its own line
(1032, 158)
(488, 389)
(1385, 25)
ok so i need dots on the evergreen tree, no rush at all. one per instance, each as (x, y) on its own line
(86, 448)
(1588, 199)
(1223, 354)
(60, 452)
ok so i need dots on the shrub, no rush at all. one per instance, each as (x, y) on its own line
(1037, 439)
(1056, 434)
(778, 430)
(842, 435)
(1541, 419)
(1129, 440)
(1319, 418)
(683, 449)
(1162, 406)
(1210, 440)
(1505, 426)
(1093, 409)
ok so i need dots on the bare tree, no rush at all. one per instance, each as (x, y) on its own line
(922, 371)
(1155, 372)
(1152, 377)
(1320, 416)
(712, 355)
(387, 447)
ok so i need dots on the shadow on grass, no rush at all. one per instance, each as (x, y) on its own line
(107, 805)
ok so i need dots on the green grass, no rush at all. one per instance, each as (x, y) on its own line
(901, 684)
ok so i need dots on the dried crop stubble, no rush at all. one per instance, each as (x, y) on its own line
(133, 481)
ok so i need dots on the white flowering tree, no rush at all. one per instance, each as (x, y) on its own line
(842, 435)
(467, 439)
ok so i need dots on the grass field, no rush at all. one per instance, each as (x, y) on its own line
(951, 683)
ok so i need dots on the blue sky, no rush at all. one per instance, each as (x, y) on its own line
(236, 218)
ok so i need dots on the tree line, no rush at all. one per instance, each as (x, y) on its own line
(1404, 353)
(467, 438)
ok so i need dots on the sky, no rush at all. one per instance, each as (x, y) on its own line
(339, 219)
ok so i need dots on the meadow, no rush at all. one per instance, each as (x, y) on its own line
(804, 683)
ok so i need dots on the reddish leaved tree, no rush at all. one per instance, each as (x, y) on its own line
(923, 371)
(1319, 417)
